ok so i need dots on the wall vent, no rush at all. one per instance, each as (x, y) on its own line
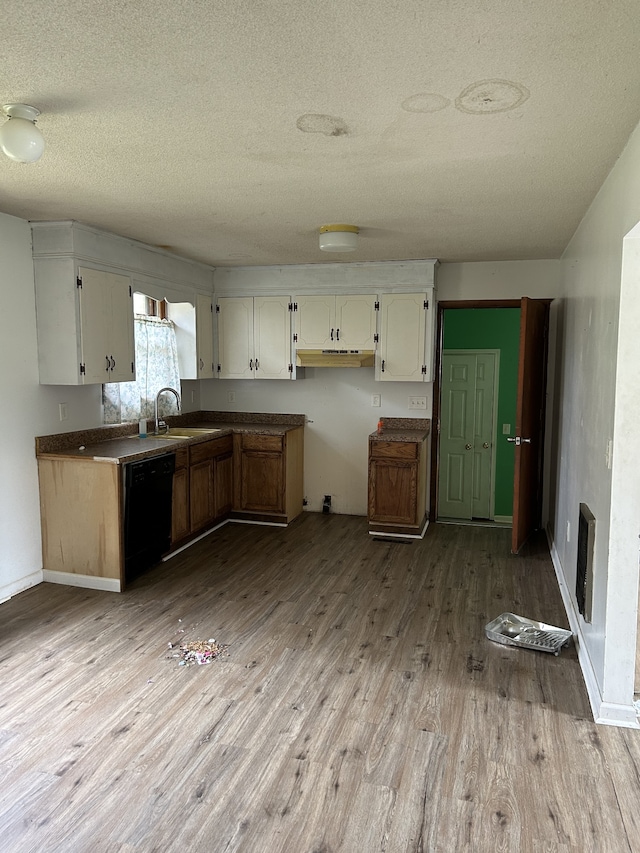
(584, 575)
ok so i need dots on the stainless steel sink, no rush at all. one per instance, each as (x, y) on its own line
(182, 432)
(185, 432)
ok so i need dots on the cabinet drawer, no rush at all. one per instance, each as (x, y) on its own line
(182, 457)
(263, 442)
(210, 449)
(394, 450)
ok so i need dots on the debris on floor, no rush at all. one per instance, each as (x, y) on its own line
(197, 652)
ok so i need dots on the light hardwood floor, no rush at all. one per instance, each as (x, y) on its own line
(360, 707)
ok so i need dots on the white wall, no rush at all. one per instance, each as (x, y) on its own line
(337, 400)
(592, 409)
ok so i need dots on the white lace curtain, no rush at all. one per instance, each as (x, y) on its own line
(156, 368)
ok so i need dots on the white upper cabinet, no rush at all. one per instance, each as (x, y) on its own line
(407, 331)
(254, 337)
(204, 337)
(85, 324)
(335, 322)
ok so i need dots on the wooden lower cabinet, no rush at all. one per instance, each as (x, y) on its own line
(210, 482)
(268, 482)
(397, 487)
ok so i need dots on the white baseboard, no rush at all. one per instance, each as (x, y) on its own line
(605, 713)
(85, 581)
(9, 590)
(503, 519)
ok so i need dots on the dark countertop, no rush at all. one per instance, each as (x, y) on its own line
(120, 444)
(402, 429)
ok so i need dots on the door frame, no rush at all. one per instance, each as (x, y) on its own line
(437, 385)
(494, 414)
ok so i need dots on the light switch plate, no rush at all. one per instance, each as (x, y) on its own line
(506, 429)
(418, 403)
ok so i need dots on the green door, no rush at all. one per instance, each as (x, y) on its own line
(467, 430)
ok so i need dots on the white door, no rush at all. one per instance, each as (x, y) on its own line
(272, 337)
(467, 430)
(204, 336)
(106, 327)
(235, 337)
(93, 328)
(315, 322)
(120, 333)
(355, 319)
(401, 356)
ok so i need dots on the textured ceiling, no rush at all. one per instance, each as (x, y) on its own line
(230, 131)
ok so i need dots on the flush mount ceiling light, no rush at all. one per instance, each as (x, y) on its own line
(339, 238)
(20, 139)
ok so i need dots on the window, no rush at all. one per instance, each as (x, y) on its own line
(156, 366)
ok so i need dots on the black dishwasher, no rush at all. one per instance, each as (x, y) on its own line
(147, 512)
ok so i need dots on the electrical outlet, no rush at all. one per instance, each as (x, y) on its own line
(418, 403)
(375, 399)
(231, 396)
(506, 429)
(62, 410)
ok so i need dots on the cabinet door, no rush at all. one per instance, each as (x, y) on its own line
(355, 322)
(315, 322)
(261, 482)
(235, 337)
(120, 331)
(106, 327)
(223, 484)
(204, 336)
(401, 357)
(201, 494)
(272, 337)
(180, 508)
(393, 487)
(94, 304)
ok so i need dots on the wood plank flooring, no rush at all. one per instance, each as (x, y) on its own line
(360, 707)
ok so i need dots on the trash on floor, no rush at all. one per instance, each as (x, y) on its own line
(512, 630)
(198, 652)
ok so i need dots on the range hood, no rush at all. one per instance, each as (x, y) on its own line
(334, 358)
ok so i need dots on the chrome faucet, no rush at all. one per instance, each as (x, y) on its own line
(160, 423)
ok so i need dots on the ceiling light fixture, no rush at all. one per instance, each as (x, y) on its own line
(20, 139)
(339, 238)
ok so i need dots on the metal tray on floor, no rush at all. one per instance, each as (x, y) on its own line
(512, 630)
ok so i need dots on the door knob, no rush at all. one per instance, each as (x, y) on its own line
(486, 445)
(518, 440)
(467, 447)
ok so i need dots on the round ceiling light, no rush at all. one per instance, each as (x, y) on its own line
(339, 238)
(20, 139)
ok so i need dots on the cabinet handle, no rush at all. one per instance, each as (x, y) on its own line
(108, 363)
(337, 334)
(382, 366)
(250, 364)
(331, 334)
(257, 363)
(113, 363)
(201, 364)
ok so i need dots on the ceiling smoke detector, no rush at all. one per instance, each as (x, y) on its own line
(339, 238)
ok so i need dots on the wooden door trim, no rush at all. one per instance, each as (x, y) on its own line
(437, 382)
